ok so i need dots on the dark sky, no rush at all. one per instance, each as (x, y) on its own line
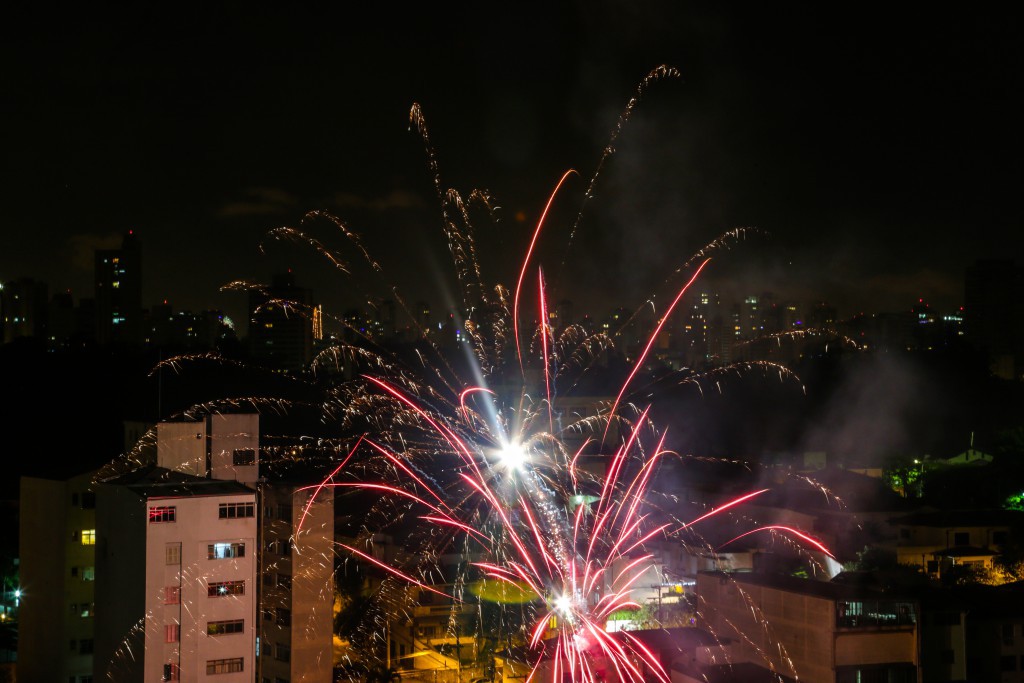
(878, 149)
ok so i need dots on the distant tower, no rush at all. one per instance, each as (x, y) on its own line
(119, 293)
(992, 314)
(281, 324)
(23, 309)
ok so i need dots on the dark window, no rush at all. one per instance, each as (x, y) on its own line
(235, 510)
(961, 538)
(88, 500)
(284, 616)
(284, 580)
(85, 646)
(224, 666)
(1008, 663)
(221, 628)
(284, 653)
(243, 457)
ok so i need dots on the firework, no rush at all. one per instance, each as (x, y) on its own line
(491, 470)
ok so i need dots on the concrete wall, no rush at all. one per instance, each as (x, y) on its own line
(181, 447)
(120, 583)
(229, 433)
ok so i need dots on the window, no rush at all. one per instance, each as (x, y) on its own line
(88, 574)
(88, 537)
(243, 457)
(221, 588)
(224, 666)
(234, 510)
(74, 572)
(87, 609)
(225, 551)
(221, 628)
(1008, 663)
(284, 616)
(172, 634)
(74, 536)
(284, 580)
(88, 500)
(268, 579)
(962, 538)
(172, 595)
(85, 646)
(284, 653)
(1007, 634)
(165, 513)
(172, 553)
(172, 672)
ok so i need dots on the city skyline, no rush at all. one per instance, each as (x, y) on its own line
(876, 161)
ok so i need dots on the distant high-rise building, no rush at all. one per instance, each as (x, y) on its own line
(23, 309)
(994, 314)
(118, 277)
(281, 324)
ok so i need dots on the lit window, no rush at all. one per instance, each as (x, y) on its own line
(88, 537)
(164, 513)
(222, 588)
(172, 633)
(88, 574)
(224, 666)
(221, 628)
(116, 284)
(225, 551)
(235, 510)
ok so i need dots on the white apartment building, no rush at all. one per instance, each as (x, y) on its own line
(182, 547)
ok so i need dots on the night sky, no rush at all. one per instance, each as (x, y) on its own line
(879, 150)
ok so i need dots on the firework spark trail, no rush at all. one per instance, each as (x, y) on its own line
(544, 346)
(435, 455)
(647, 349)
(526, 263)
(789, 530)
